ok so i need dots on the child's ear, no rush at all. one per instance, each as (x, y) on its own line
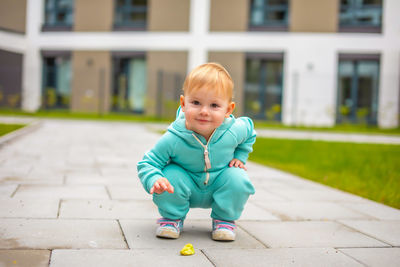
(231, 107)
(182, 100)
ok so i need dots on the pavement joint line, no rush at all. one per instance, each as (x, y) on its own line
(282, 217)
(340, 251)
(15, 191)
(244, 230)
(123, 234)
(208, 258)
(359, 231)
(372, 218)
(108, 192)
(59, 208)
(338, 248)
(51, 253)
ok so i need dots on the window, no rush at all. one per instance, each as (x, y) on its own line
(130, 82)
(358, 89)
(59, 15)
(360, 16)
(56, 91)
(263, 88)
(130, 15)
(270, 15)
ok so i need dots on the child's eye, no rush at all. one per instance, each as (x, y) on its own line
(195, 102)
(214, 105)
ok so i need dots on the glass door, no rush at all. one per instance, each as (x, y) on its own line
(57, 76)
(263, 90)
(358, 91)
(130, 83)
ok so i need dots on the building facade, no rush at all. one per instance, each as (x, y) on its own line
(299, 62)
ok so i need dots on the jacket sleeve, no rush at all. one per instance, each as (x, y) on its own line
(246, 139)
(153, 162)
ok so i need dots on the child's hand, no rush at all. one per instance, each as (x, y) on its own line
(162, 185)
(237, 163)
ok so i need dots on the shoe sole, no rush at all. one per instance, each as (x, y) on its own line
(222, 236)
(165, 233)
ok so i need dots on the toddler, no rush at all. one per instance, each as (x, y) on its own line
(200, 161)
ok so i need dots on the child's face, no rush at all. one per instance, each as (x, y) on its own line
(205, 110)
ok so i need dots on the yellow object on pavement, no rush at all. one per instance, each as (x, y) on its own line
(187, 250)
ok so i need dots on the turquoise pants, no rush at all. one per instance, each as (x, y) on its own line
(226, 195)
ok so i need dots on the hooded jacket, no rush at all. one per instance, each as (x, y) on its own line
(234, 138)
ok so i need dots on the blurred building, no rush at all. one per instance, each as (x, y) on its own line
(301, 62)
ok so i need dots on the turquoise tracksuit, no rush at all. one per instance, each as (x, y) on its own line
(199, 171)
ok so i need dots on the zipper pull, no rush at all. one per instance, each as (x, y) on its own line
(207, 159)
(207, 178)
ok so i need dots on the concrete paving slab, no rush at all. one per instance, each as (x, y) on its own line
(265, 196)
(128, 258)
(375, 210)
(13, 171)
(98, 179)
(279, 257)
(308, 234)
(81, 171)
(387, 231)
(7, 190)
(24, 258)
(108, 209)
(128, 192)
(295, 183)
(300, 211)
(113, 161)
(45, 173)
(56, 180)
(33, 208)
(80, 160)
(250, 213)
(129, 172)
(375, 257)
(317, 195)
(51, 234)
(62, 191)
(141, 234)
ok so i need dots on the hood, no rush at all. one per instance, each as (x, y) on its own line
(178, 127)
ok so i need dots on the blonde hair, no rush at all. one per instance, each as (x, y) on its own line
(212, 76)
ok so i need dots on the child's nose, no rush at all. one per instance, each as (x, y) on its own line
(204, 110)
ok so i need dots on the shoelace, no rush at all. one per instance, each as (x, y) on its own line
(166, 222)
(224, 224)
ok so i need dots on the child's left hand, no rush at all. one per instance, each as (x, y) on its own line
(237, 163)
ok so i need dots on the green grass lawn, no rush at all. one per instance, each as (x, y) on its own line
(340, 128)
(368, 170)
(7, 128)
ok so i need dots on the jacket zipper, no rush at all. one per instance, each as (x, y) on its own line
(206, 157)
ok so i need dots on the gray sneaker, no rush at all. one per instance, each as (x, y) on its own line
(223, 230)
(169, 228)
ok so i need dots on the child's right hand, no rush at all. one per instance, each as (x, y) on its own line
(162, 185)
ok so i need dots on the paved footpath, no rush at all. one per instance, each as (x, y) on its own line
(70, 196)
